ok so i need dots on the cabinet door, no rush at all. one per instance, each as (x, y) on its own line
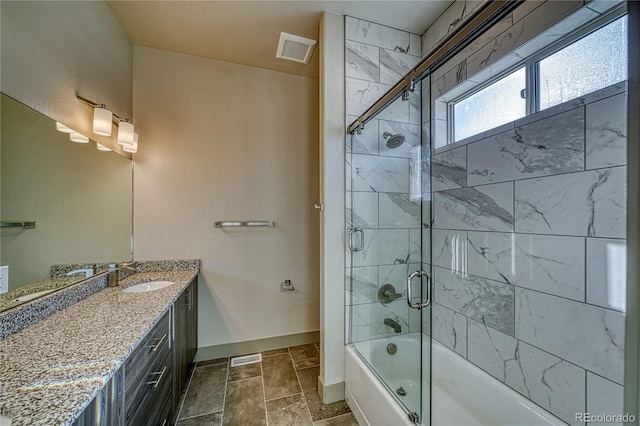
(192, 333)
(180, 324)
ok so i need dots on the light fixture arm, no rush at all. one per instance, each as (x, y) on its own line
(116, 118)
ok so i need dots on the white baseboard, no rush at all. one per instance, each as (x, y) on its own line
(330, 393)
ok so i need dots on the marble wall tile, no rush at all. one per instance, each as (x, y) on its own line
(362, 285)
(549, 323)
(590, 203)
(376, 35)
(415, 44)
(607, 273)
(367, 321)
(546, 147)
(487, 208)
(604, 397)
(450, 249)
(449, 169)
(364, 210)
(395, 65)
(366, 142)
(487, 301)
(399, 211)
(380, 174)
(551, 382)
(446, 23)
(520, 32)
(449, 328)
(415, 101)
(578, 102)
(550, 264)
(419, 245)
(362, 61)
(398, 110)
(411, 133)
(360, 95)
(606, 132)
(383, 247)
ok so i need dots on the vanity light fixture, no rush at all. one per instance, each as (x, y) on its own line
(125, 133)
(102, 147)
(78, 137)
(62, 128)
(102, 119)
(132, 148)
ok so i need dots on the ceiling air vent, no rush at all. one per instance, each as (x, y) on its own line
(295, 48)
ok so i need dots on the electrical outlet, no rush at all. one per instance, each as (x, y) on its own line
(287, 285)
(4, 279)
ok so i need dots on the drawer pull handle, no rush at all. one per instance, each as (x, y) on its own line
(164, 422)
(155, 383)
(158, 343)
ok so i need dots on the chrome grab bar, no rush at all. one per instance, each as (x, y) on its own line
(360, 245)
(26, 224)
(222, 224)
(427, 300)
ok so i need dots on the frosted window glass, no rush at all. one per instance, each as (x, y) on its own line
(591, 63)
(491, 107)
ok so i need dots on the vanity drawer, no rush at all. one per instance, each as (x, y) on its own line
(142, 401)
(150, 349)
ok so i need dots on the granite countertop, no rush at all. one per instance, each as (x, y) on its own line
(51, 370)
(7, 300)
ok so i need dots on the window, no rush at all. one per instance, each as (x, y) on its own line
(490, 107)
(588, 60)
(589, 64)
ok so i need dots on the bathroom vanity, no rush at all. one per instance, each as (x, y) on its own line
(114, 358)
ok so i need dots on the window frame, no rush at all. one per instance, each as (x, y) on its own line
(532, 70)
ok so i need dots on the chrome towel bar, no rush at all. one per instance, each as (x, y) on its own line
(25, 224)
(223, 224)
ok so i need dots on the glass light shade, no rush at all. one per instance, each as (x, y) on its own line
(125, 133)
(102, 147)
(62, 128)
(132, 148)
(79, 138)
(102, 121)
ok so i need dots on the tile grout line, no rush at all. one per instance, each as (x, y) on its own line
(186, 392)
(226, 386)
(264, 395)
(304, 396)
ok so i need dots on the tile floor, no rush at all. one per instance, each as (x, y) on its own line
(279, 391)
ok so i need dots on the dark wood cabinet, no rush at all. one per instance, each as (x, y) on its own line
(185, 337)
(106, 409)
(146, 390)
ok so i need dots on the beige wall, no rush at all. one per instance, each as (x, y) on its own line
(52, 50)
(79, 197)
(229, 142)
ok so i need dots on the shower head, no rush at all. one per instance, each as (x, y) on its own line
(393, 141)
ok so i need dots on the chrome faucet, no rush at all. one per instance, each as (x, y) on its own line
(114, 272)
(397, 328)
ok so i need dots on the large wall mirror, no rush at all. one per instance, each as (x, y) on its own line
(80, 199)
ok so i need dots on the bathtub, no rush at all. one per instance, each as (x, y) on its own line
(463, 394)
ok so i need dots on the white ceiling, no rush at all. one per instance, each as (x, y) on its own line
(247, 32)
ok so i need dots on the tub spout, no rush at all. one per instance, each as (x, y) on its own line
(393, 324)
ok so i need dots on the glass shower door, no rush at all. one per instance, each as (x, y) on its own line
(387, 251)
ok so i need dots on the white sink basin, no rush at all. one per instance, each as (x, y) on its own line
(5, 420)
(148, 286)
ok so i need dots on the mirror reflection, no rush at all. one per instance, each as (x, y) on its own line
(80, 199)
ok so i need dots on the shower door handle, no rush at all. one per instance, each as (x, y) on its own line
(427, 300)
(360, 243)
